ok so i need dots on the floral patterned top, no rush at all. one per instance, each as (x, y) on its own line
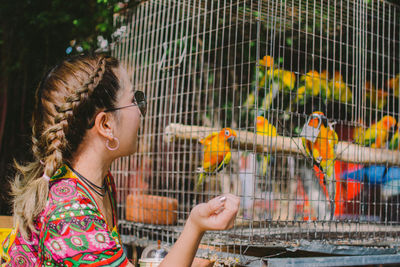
(72, 231)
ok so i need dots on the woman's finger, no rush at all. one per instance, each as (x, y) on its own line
(232, 203)
(215, 205)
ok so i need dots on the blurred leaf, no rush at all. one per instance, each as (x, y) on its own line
(36, 35)
(102, 27)
(210, 78)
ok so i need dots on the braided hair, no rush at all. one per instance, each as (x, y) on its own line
(67, 100)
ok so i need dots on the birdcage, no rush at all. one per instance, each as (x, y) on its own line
(309, 90)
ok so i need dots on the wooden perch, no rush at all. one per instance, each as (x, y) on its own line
(245, 140)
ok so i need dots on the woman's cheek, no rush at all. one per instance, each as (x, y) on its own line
(134, 140)
(134, 132)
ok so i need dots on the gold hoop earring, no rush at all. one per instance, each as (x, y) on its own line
(115, 139)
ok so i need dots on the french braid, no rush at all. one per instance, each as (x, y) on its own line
(55, 135)
(66, 100)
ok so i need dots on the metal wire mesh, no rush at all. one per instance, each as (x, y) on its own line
(206, 65)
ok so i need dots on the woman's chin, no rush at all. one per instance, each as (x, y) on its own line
(134, 149)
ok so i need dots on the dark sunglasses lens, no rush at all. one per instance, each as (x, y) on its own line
(143, 107)
(139, 96)
(141, 102)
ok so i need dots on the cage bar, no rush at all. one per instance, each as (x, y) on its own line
(208, 65)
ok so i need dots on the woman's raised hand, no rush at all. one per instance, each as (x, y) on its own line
(217, 214)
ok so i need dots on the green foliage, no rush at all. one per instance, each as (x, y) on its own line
(34, 36)
(48, 26)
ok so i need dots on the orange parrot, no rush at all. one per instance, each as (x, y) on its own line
(377, 134)
(394, 143)
(394, 85)
(321, 148)
(377, 98)
(217, 152)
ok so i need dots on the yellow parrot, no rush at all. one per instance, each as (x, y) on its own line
(341, 92)
(249, 103)
(282, 80)
(376, 136)
(276, 80)
(377, 98)
(313, 84)
(265, 64)
(394, 143)
(359, 129)
(300, 95)
(263, 127)
(324, 74)
(316, 84)
(216, 152)
(326, 92)
(322, 149)
(394, 85)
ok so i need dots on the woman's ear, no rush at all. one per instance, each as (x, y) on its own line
(103, 125)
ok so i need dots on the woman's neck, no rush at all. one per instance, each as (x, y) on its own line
(93, 167)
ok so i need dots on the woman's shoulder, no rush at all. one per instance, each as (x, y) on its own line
(67, 197)
(64, 187)
(63, 190)
(67, 203)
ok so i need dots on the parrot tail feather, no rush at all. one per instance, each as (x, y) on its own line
(200, 181)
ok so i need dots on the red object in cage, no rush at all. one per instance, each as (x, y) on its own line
(346, 192)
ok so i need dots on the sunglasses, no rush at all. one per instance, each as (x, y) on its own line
(139, 99)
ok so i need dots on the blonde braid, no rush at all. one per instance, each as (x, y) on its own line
(55, 135)
(55, 117)
(20, 189)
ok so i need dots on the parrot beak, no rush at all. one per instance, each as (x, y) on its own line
(231, 139)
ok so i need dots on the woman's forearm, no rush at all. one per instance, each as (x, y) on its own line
(184, 250)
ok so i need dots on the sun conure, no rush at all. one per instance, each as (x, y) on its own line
(281, 80)
(341, 92)
(274, 80)
(377, 98)
(263, 127)
(394, 143)
(264, 65)
(313, 84)
(377, 134)
(359, 129)
(216, 152)
(322, 150)
(394, 85)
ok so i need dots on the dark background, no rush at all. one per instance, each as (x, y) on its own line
(35, 35)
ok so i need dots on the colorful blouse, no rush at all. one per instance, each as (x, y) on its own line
(72, 230)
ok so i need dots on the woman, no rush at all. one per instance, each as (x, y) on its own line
(86, 116)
